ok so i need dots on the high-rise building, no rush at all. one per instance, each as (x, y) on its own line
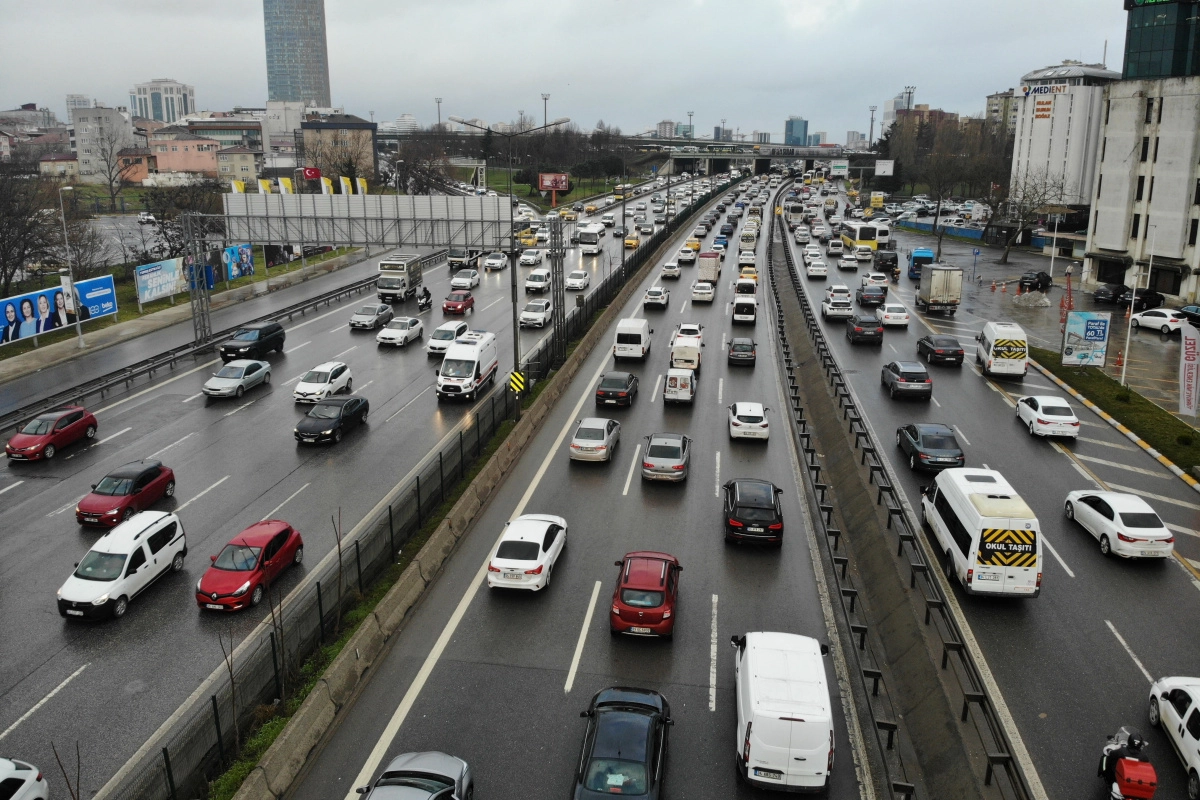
(75, 101)
(685, 131)
(856, 139)
(1162, 39)
(718, 133)
(904, 100)
(795, 131)
(1002, 109)
(760, 137)
(162, 99)
(817, 139)
(665, 129)
(297, 54)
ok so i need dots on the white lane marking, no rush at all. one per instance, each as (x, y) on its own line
(347, 350)
(712, 659)
(1114, 445)
(296, 347)
(1171, 525)
(239, 408)
(69, 505)
(717, 492)
(722, 342)
(172, 444)
(935, 402)
(43, 701)
(339, 327)
(657, 383)
(124, 400)
(489, 305)
(720, 390)
(985, 466)
(958, 430)
(587, 619)
(637, 452)
(193, 397)
(1139, 470)
(894, 350)
(11, 486)
(682, 307)
(293, 380)
(1054, 553)
(409, 403)
(414, 690)
(365, 385)
(271, 513)
(1153, 496)
(197, 497)
(1129, 650)
(113, 436)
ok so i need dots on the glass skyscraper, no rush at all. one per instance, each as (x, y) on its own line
(795, 131)
(1162, 39)
(297, 55)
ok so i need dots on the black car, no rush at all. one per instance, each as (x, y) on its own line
(577, 207)
(254, 340)
(726, 230)
(1191, 313)
(871, 295)
(864, 328)
(1145, 298)
(625, 746)
(940, 348)
(1110, 293)
(616, 389)
(619, 232)
(886, 260)
(742, 350)
(1035, 280)
(753, 512)
(930, 445)
(329, 419)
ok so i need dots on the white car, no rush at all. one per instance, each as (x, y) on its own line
(686, 256)
(875, 279)
(531, 258)
(400, 331)
(1047, 416)
(595, 439)
(747, 258)
(893, 314)
(465, 279)
(537, 281)
(536, 314)
(703, 292)
(719, 249)
(848, 263)
(443, 336)
(864, 254)
(1173, 708)
(656, 296)
(323, 380)
(495, 261)
(812, 252)
(1124, 524)
(671, 270)
(579, 279)
(525, 556)
(145, 218)
(748, 421)
(1165, 320)
(23, 781)
(817, 269)
(543, 235)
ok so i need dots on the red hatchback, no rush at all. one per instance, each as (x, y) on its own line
(124, 492)
(47, 433)
(643, 603)
(458, 303)
(241, 574)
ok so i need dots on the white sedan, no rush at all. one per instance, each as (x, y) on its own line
(579, 279)
(817, 269)
(528, 549)
(748, 421)
(893, 314)
(495, 261)
(400, 331)
(1124, 524)
(465, 279)
(1047, 416)
(703, 292)
(1164, 320)
(531, 258)
(536, 314)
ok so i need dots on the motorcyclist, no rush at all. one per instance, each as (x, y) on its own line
(1128, 743)
(425, 297)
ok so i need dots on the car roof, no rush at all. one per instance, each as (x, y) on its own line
(245, 362)
(615, 374)
(914, 366)
(594, 422)
(58, 412)
(1045, 398)
(933, 428)
(327, 366)
(1123, 501)
(628, 695)
(254, 326)
(449, 326)
(646, 569)
(755, 493)
(667, 438)
(258, 534)
(121, 538)
(336, 401)
(941, 338)
(134, 468)
(748, 407)
(530, 527)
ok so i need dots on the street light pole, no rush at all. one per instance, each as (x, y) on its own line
(545, 110)
(1133, 297)
(438, 100)
(70, 271)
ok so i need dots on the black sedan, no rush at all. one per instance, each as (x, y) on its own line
(1110, 293)
(328, 420)
(930, 445)
(742, 350)
(871, 295)
(940, 348)
(617, 389)
(625, 746)
(864, 328)
(1035, 280)
(1143, 299)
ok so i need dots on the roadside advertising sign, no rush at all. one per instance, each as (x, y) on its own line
(160, 279)
(552, 181)
(27, 315)
(1085, 339)
(238, 261)
(1189, 369)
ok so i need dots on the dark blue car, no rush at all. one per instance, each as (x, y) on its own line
(625, 746)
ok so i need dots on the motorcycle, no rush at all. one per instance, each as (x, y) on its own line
(424, 302)
(1125, 767)
(895, 274)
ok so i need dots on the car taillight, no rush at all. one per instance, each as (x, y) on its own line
(858, 330)
(616, 609)
(733, 523)
(1169, 541)
(1125, 538)
(939, 352)
(778, 526)
(762, 424)
(736, 424)
(677, 466)
(1075, 424)
(666, 614)
(622, 394)
(1039, 580)
(901, 380)
(970, 576)
(1042, 421)
(537, 571)
(922, 455)
(746, 744)
(492, 568)
(929, 380)
(829, 761)
(879, 329)
(647, 465)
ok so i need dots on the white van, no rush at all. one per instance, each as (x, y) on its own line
(680, 386)
(685, 352)
(784, 736)
(633, 339)
(745, 309)
(537, 281)
(470, 363)
(1003, 349)
(986, 531)
(608, 220)
(834, 248)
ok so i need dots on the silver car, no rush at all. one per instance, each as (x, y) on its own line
(595, 439)
(372, 316)
(667, 458)
(236, 377)
(417, 776)
(465, 279)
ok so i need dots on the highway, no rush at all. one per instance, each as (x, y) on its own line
(1075, 663)
(499, 678)
(235, 462)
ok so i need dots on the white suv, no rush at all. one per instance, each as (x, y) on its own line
(443, 336)
(122, 565)
(323, 380)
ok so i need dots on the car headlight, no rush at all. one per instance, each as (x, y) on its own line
(198, 589)
(327, 433)
(241, 590)
(101, 600)
(78, 510)
(112, 511)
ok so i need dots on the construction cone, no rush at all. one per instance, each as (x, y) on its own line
(1003, 288)
(1018, 290)
(1127, 310)
(993, 286)
(1120, 359)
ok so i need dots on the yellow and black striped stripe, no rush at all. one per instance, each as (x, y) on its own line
(1009, 348)
(1002, 547)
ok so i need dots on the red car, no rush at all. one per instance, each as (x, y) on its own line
(124, 492)
(47, 433)
(643, 603)
(458, 303)
(241, 574)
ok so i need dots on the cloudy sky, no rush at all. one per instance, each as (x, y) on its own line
(628, 62)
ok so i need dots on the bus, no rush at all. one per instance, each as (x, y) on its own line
(856, 234)
(589, 238)
(795, 214)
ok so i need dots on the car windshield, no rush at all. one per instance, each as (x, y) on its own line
(414, 780)
(1057, 411)
(615, 776)
(1141, 519)
(939, 441)
(457, 368)
(398, 325)
(113, 487)
(457, 297)
(445, 333)
(230, 372)
(463, 273)
(535, 308)
(518, 551)
(755, 514)
(664, 451)
(100, 566)
(641, 598)
(325, 411)
(590, 434)
(617, 382)
(313, 376)
(237, 558)
(367, 311)
(577, 275)
(39, 426)
(246, 336)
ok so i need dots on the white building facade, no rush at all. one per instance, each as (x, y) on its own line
(97, 134)
(162, 99)
(665, 129)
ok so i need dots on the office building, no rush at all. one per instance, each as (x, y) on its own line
(297, 54)
(665, 129)
(902, 101)
(684, 131)
(795, 131)
(75, 101)
(1001, 110)
(1162, 39)
(856, 140)
(758, 137)
(97, 135)
(817, 139)
(162, 100)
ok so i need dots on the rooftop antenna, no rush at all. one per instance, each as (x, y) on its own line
(1104, 58)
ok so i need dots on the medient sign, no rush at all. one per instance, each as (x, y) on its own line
(1057, 88)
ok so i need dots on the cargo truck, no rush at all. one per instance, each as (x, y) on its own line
(399, 277)
(940, 288)
(918, 258)
(462, 258)
(709, 268)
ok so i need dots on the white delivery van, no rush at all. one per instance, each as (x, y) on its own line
(685, 352)
(633, 339)
(986, 532)
(537, 281)
(745, 309)
(608, 220)
(834, 248)
(745, 286)
(748, 240)
(1003, 349)
(784, 737)
(680, 386)
(470, 363)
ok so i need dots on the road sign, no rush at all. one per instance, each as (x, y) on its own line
(975, 252)
(516, 382)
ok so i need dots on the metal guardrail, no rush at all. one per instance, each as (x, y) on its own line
(146, 368)
(1001, 767)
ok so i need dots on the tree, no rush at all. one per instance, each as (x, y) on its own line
(28, 224)
(943, 168)
(113, 170)
(420, 167)
(169, 203)
(345, 153)
(89, 250)
(1029, 194)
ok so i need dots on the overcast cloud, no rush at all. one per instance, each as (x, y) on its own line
(630, 63)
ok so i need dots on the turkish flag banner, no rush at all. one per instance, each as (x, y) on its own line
(312, 174)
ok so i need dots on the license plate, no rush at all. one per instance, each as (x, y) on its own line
(309, 438)
(639, 630)
(512, 576)
(767, 773)
(588, 449)
(16, 457)
(612, 402)
(91, 519)
(214, 606)
(74, 613)
(754, 530)
(984, 576)
(1150, 553)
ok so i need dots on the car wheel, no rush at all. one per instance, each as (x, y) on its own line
(257, 596)
(470, 793)
(337, 436)
(170, 490)
(240, 392)
(48, 452)
(1069, 510)
(1031, 431)
(1105, 545)
(1133, 323)
(177, 562)
(120, 607)
(128, 513)
(1153, 713)
(1165, 329)
(298, 559)
(350, 386)
(90, 432)
(1193, 787)
(267, 379)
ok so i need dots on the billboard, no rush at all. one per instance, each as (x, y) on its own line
(884, 168)
(839, 167)
(238, 261)
(1085, 338)
(1189, 369)
(552, 181)
(27, 315)
(160, 279)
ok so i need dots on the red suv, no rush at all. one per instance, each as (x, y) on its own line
(241, 574)
(643, 603)
(47, 433)
(124, 492)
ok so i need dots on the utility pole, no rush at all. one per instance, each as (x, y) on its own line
(871, 130)
(438, 100)
(691, 133)
(545, 110)
(722, 129)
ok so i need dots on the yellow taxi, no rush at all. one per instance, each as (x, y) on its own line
(632, 240)
(569, 214)
(590, 208)
(749, 274)
(527, 238)
(693, 243)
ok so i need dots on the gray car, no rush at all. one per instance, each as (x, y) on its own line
(418, 776)
(236, 377)
(668, 457)
(906, 379)
(372, 316)
(595, 439)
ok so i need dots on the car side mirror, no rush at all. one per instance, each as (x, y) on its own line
(824, 649)
(652, 330)
(77, 564)
(1164, 694)
(213, 559)
(363, 789)
(702, 344)
(737, 642)
(93, 486)
(669, 721)
(778, 490)
(618, 563)
(585, 714)
(925, 489)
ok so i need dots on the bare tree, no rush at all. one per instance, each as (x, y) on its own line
(1028, 195)
(169, 203)
(87, 251)
(28, 224)
(114, 171)
(420, 167)
(75, 792)
(337, 535)
(276, 607)
(345, 153)
(227, 658)
(943, 169)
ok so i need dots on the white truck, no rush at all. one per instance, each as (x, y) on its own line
(470, 363)
(399, 277)
(710, 267)
(940, 288)
(463, 257)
